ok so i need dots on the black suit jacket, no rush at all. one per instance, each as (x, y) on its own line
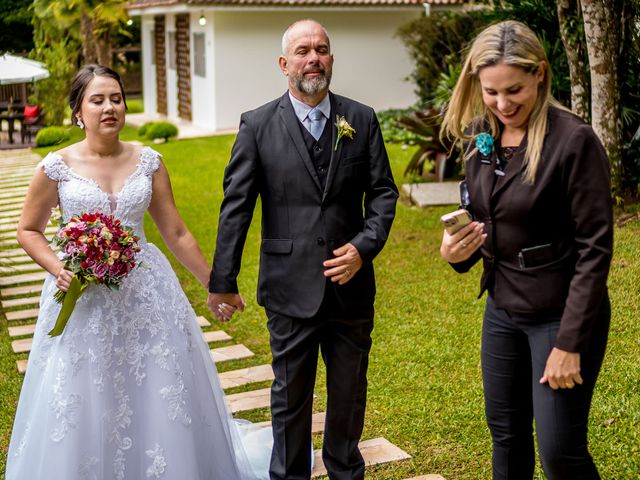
(302, 223)
(569, 206)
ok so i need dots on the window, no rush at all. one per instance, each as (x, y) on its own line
(152, 42)
(199, 59)
(172, 50)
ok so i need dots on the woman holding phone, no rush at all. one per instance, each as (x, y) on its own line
(538, 180)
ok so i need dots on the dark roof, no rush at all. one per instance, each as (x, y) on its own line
(134, 4)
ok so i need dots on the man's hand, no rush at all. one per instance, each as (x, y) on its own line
(344, 266)
(224, 305)
(562, 370)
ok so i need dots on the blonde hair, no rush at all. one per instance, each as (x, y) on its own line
(509, 43)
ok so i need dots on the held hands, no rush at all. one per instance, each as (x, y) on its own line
(461, 245)
(224, 305)
(562, 370)
(344, 265)
(63, 279)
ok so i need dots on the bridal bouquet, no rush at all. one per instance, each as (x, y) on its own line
(98, 249)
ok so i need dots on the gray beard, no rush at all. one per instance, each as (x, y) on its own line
(312, 86)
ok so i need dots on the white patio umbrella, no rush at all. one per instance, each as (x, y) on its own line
(20, 70)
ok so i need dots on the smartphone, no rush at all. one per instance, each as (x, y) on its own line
(454, 221)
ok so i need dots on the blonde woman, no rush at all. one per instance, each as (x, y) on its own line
(538, 180)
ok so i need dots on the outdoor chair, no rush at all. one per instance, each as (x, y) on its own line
(32, 122)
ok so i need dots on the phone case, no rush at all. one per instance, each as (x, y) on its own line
(536, 256)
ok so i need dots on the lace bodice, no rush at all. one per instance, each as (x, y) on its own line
(78, 194)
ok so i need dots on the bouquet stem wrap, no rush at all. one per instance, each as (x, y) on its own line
(68, 300)
(97, 249)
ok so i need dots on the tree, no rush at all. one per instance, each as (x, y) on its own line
(92, 22)
(572, 32)
(15, 26)
(602, 27)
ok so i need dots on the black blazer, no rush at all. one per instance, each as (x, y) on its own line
(569, 207)
(301, 222)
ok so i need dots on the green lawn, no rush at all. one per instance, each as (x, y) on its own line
(425, 392)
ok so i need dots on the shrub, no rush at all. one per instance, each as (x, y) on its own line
(392, 132)
(51, 136)
(142, 131)
(161, 130)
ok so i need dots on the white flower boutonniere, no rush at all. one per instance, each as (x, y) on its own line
(344, 129)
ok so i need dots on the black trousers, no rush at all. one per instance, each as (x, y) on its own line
(514, 354)
(344, 339)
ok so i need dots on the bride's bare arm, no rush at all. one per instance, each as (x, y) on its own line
(173, 230)
(42, 196)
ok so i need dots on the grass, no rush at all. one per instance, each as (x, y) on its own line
(425, 392)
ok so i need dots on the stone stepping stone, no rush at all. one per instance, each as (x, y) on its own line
(9, 227)
(216, 336)
(12, 235)
(22, 314)
(375, 452)
(21, 346)
(5, 220)
(11, 189)
(241, 402)
(232, 352)
(10, 212)
(13, 173)
(22, 365)
(244, 376)
(25, 290)
(16, 260)
(432, 193)
(13, 202)
(203, 322)
(317, 423)
(22, 330)
(13, 193)
(29, 267)
(16, 181)
(11, 253)
(24, 278)
(19, 302)
(11, 209)
(428, 477)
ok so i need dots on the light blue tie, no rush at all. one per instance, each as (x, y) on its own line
(315, 122)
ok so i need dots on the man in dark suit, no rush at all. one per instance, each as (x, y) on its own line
(319, 164)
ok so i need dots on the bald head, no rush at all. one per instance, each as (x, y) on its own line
(300, 28)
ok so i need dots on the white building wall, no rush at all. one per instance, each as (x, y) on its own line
(371, 65)
(203, 98)
(148, 67)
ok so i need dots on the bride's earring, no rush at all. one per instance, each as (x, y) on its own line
(80, 123)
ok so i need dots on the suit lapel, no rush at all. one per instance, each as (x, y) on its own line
(336, 110)
(292, 125)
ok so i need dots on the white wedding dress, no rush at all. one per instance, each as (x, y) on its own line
(129, 390)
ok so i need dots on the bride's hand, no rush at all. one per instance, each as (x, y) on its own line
(63, 280)
(224, 305)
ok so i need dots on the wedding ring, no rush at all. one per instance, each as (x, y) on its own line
(464, 245)
(570, 385)
(347, 272)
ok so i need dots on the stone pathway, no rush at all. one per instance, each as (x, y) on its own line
(432, 193)
(21, 284)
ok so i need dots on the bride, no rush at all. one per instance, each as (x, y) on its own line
(128, 391)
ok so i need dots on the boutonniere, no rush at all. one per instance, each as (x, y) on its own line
(344, 129)
(484, 143)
